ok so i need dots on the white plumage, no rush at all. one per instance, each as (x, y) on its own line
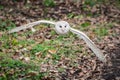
(63, 27)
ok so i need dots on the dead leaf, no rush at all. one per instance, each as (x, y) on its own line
(38, 54)
(1, 33)
(27, 59)
(52, 51)
(21, 58)
(32, 73)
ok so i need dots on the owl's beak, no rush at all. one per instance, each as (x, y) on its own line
(62, 30)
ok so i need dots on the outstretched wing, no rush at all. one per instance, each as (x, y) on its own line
(90, 43)
(30, 25)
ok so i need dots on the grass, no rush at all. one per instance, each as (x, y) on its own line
(16, 69)
(50, 51)
(49, 3)
(101, 31)
(70, 15)
(6, 25)
(1, 7)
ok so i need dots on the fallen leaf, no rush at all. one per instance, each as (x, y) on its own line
(52, 51)
(27, 59)
(1, 33)
(32, 73)
(38, 54)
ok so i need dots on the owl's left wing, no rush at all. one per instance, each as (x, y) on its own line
(90, 44)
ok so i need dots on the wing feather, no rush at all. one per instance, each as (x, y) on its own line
(90, 44)
(29, 25)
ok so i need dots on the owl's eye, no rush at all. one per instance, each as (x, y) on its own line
(60, 26)
(65, 26)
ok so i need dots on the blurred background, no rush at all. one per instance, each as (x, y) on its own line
(45, 55)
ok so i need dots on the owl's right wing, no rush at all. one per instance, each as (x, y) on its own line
(30, 25)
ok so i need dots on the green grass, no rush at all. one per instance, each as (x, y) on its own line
(101, 31)
(1, 7)
(6, 25)
(49, 3)
(62, 45)
(5, 40)
(15, 69)
(70, 15)
(86, 24)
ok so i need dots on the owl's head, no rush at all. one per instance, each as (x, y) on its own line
(62, 27)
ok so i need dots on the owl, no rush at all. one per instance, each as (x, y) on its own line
(63, 27)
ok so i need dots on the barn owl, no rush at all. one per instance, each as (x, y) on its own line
(63, 27)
